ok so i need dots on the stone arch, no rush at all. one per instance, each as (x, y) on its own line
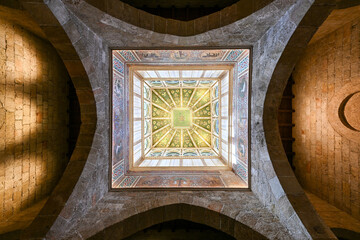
(197, 214)
(286, 189)
(55, 33)
(77, 205)
(290, 56)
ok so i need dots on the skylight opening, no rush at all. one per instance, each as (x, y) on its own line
(180, 114)
(181, 117)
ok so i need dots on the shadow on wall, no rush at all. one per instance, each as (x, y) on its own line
(183, 10)
(180, 230)
(345, 234)
(33, 119)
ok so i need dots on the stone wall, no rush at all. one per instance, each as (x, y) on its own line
(327, 161)
(33, 119)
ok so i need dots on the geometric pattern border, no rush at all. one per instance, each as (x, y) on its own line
(121, 177)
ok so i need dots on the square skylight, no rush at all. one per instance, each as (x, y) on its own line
(179, 114)
(182, 109)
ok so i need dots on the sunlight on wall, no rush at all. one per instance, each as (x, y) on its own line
(327, 155)
(33, 118)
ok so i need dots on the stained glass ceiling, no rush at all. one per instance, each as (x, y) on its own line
(180, 118)
(181, 112)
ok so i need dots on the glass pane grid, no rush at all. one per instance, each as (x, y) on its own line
(181, 114)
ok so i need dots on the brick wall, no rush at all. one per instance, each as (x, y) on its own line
(33, 119)
(327, 164)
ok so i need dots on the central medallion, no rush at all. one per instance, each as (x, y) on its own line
(181, 118)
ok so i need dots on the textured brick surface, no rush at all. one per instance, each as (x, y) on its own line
(332, 216)
(336, 19)
(327, 164)
(33, 118)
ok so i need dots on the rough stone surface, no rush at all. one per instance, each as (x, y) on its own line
(159, 24)
(231, 216)
(277, 34)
